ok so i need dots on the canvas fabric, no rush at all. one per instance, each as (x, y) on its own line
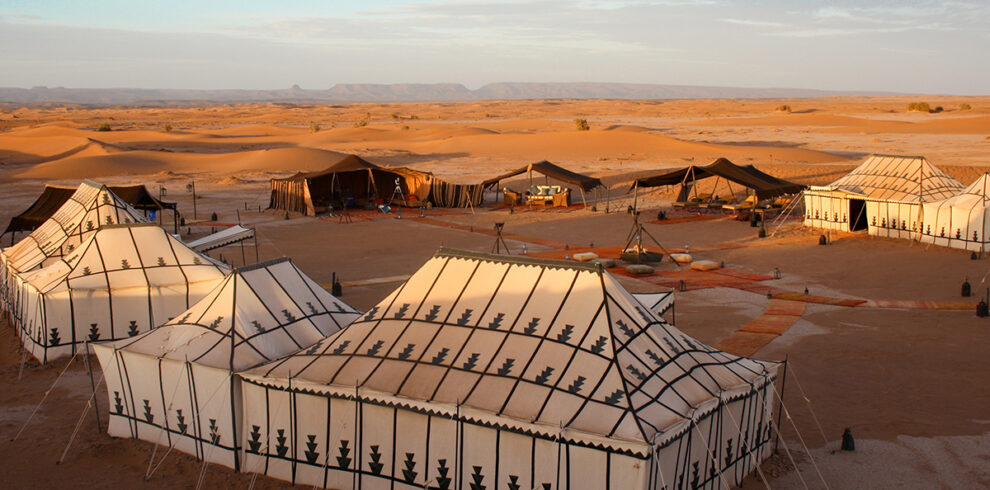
(176, 386)
(491, 370)
(122, 281)
(960, 221)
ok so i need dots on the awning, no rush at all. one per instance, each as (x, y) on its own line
(764, 185)
(222, 238)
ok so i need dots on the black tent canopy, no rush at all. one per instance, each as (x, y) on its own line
(583, 182)
(53, 197)
(764, 185)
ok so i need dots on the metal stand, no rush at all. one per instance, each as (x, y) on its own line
(397, 192)
(500, 241)
(636, 235)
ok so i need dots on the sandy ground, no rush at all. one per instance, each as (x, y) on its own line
(911, 384)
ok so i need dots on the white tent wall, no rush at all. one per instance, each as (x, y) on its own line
(190, 407)
(311, 435)
(960, 221)
(335, 441)
(893, 219)
(124, 280)
(827, 210)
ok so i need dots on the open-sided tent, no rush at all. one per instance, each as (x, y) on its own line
(504, 372)
(584, 183)
(960, 221)
(175, 385)
(884, 196)
(763, 185)
(53, 197)
(351, 178)
(123, 280)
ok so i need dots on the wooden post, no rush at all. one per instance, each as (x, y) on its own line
(256, 259)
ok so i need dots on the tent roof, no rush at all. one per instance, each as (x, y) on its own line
(764, 184)
(977, 195)
(353, 163)
(224, 237)
(897, 178)
(91, 205)
(534, 344)
(272, 309)
(53, 197)
(117, 257)
(551, 170)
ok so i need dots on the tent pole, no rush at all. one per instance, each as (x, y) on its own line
(636, 196)
(256, 259)
(582, 197)
(783, 381)
(92, 384)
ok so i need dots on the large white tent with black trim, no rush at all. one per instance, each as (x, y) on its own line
(883, 196)
(175, 385)
(123, 280)
(89, 208)
(960, 221)
(509, 372)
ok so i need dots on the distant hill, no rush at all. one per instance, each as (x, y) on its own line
(406, 92)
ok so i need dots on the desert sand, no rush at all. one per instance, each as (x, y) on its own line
(909, 381)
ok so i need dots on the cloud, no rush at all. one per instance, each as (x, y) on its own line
(755, 23)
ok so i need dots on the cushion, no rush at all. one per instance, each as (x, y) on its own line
(681, 258)
(704, 265)
(585, 257)
(639, 269)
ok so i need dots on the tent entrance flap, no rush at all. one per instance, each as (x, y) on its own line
(857, 215)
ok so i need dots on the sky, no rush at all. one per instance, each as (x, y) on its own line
(921, 46)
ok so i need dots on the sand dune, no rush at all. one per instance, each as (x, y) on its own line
(276, 161)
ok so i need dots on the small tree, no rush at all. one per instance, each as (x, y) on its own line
(581, 124)
(919, 107)
(104, 127)
(784, 108)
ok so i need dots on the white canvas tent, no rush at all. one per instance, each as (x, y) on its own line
(121, 281)
(883, 196)
(509, 372)
(960, 221)
(89, 208)
(175, 385)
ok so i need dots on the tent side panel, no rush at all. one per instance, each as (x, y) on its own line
(718, 449)
(826, 211)
(315, 439)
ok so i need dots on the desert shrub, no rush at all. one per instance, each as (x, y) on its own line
(938, 109)
(405, 127)
(919, 107)
(314, 127)
(581, 124)
(360, 124)
(784, 108)
(167, 128)
(965, 107)
(104, 127)
(396, 116)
